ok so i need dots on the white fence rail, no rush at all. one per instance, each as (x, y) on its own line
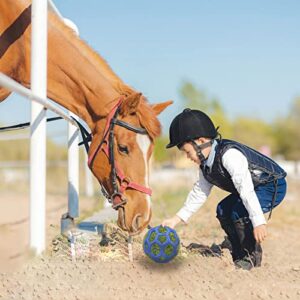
(12, 85)
(37, 95)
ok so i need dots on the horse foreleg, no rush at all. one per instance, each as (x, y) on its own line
(4, 94)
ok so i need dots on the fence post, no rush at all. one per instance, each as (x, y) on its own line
(38, 127)
(73, 170)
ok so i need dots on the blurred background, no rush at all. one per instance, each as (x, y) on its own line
(238, 61)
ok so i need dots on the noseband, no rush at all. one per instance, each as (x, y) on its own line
(119, 181)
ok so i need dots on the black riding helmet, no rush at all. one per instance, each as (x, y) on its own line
(190, 125)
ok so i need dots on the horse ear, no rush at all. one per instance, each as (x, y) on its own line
(130, 104)
(159, 107)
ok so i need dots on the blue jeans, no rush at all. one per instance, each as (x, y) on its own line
(233, 208)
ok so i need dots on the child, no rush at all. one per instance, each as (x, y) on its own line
(255, 182)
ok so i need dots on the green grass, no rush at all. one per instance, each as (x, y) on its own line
(167, 202)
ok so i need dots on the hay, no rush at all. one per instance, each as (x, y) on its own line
(81, 245)
(115, 246)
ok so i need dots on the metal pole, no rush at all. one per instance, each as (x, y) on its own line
(38, 127)
(73, 170)
(67, 220)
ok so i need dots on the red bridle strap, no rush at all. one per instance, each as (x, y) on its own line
(105, 135)
(125, 182)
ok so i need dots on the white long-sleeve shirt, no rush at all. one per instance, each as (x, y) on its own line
(235, 162)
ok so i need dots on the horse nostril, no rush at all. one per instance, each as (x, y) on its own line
(138, 219)
(136, 222)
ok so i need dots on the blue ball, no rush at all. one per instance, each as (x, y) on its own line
(161, 244)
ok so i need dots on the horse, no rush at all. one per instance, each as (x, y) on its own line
(123, 124)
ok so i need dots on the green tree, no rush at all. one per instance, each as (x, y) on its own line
(195, 98)
(287, 132)
(253, 132)
(160, 154)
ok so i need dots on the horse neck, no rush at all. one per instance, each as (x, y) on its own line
(73, 80)
(76, 79)
(80, 89)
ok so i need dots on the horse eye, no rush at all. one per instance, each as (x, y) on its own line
(123, 149)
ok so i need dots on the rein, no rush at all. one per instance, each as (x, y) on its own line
(25, 125)
(119, 181)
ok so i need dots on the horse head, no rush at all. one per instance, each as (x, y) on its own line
(120, 159)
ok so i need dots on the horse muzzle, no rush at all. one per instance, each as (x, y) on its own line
(134, 226)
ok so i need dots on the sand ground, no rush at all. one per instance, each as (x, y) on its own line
(109, 276)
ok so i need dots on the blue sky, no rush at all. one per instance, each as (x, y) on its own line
(244, 53)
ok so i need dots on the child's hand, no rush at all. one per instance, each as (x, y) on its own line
(172, 222)
(260, 233)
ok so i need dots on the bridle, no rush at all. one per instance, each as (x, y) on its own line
(119, 181)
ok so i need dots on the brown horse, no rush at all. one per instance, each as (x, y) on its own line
(81, 81)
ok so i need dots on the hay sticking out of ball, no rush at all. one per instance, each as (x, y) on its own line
(117, 246)
(161, 244)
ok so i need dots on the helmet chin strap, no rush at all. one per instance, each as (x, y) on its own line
(199, 148)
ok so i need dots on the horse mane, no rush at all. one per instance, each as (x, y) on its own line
(94, 57)
(147, 116)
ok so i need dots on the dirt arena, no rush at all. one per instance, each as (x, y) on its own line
(110, 275)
